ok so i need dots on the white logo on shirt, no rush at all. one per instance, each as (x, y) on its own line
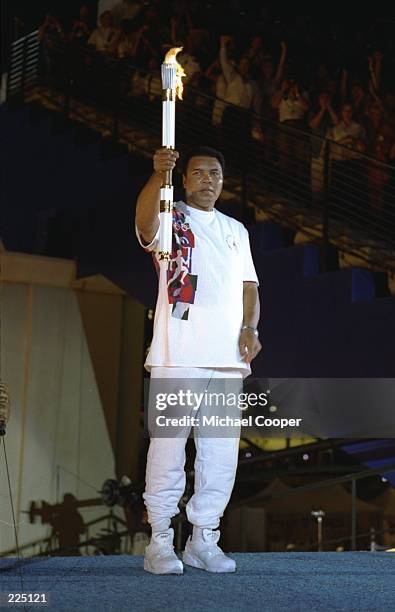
(232, 243)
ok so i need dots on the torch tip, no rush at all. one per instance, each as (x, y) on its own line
(170, 57)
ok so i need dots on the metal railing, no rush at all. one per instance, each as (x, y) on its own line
(352, 478)
(331, 193)
(23, 65)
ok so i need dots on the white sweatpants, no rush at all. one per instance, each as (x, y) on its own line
(215, 466)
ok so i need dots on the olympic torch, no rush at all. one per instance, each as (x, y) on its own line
(172, 74)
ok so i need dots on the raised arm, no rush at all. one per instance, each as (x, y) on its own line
(374, 64)
(148, 201)
(280, 68)
(226, 67)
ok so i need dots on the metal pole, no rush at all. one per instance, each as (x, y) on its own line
(325, 211)
(372, 539)
(353, 514)
(24, 67)
(319, 534)
(319, 515)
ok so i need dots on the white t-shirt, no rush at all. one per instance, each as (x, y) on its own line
(199, 311)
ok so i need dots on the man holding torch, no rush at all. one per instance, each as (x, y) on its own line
(205, 328)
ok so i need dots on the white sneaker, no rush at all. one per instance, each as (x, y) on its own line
(203, 552)
(159, 557)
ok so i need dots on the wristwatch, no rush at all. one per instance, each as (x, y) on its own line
(252, 329)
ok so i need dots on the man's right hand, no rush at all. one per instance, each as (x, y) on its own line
(164, 160)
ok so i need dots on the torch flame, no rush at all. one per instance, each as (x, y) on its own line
(170, 58)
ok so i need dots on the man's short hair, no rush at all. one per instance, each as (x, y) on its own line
(200, 151)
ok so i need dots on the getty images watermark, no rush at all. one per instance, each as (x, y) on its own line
(242, 401)
(213, 408)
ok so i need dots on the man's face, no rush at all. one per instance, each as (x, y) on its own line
(347, 113)
(203, 182)
(376, 111)
(356, 91)
(324, 98)
(244, 66)
(106, 20)
(257, 43)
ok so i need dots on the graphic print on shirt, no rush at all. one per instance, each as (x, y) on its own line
(181, 284)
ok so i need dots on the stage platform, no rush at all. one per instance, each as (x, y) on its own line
(263, 582)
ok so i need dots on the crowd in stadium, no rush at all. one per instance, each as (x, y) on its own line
(326, 82)
(280, 80)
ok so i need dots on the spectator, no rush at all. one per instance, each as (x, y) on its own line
(268, 84)
(51, 37)
(198, 45)
(256, 55)
(349, 134)
(105, 37)
(241, 90)
(50, 32)
(319, 82)
(292, 103)
(219, 104)
(375, 68)
(188, 60)
(126, 41)
(321, 120)
(356, 95)
(152, 81)
(243, 94)
(81, 28)
(381, 146)
(158, 32)
(348, 171)
(141, 49)
(360, 101)
(270, 81)
(216, 77)
(126, 10)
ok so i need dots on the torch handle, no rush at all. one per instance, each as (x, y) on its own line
(168, 141)
(168, 178)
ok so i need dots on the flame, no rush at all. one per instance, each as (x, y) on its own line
(170, 58)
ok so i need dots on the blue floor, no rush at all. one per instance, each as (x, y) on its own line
(265, 581)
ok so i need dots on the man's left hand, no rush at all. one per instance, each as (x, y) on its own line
(249, 345)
